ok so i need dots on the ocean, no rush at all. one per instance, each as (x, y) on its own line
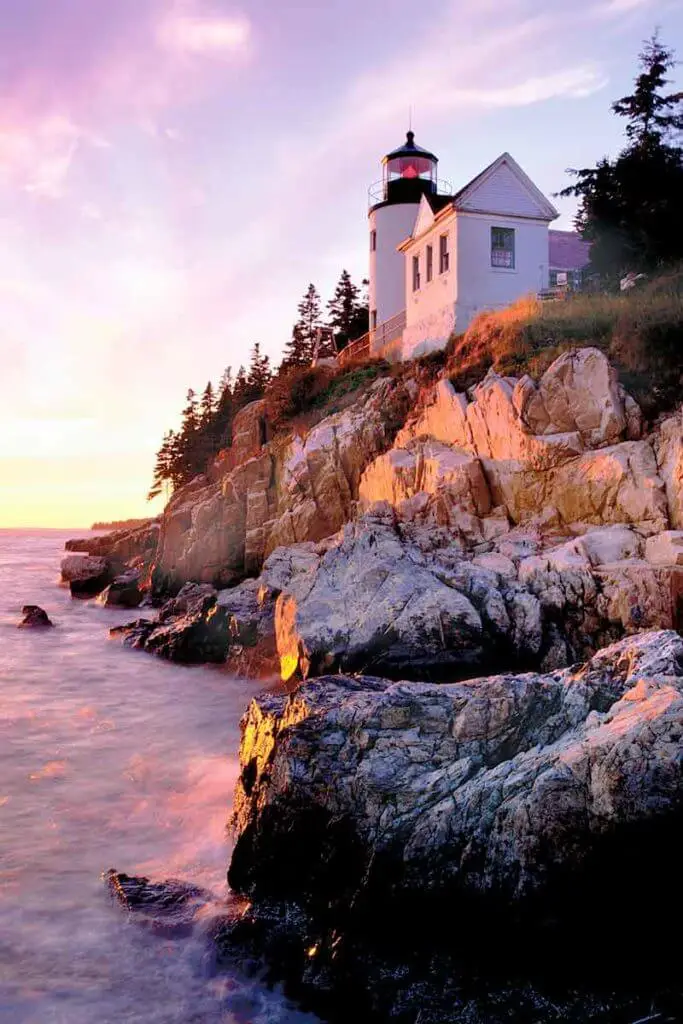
(108, 758)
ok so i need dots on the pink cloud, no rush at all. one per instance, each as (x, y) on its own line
(67, 73)
(204, 35)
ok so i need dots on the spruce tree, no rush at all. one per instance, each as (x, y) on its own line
(207, 405)
(259, 374)
(301, 347)
(653, 116)
(239, 390)
(630, 208)
(347, 311)
(163, 466)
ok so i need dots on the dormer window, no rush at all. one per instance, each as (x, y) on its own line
(503, 248)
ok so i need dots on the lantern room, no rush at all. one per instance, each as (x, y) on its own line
(408, 173)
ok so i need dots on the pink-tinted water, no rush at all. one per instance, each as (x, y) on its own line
(108, 758)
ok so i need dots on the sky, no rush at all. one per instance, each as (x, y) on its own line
(173, 173)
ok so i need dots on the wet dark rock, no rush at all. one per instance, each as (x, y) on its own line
(454, 846)
(134, 634)
(169, 908)
(35, 618)
(191, 598)
(202, 625)
(86, 575)
(124, 591)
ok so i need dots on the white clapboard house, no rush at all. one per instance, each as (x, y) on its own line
(439, 257)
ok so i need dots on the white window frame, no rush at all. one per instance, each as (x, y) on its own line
(416, 273)
(504, 258)
(429, 263)
(444, 254)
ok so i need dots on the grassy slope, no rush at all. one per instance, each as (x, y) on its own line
(641, 332)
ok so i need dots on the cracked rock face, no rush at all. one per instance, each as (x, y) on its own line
(515, 819)
(218, 532)
(373, 599)
(488, 786)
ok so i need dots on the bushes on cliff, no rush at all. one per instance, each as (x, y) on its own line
(299, 390)
(293, 391)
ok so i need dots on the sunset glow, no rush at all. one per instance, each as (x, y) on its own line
(174, 172)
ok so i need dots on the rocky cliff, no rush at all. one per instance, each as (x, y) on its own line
(475, 599)
(423, 532)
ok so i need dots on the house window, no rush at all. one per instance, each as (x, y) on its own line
(373, 241)
(373, 319)
(503, 248)
(429, 273)
(444, 257)
(416, 273)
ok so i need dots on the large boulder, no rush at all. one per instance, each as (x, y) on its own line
(373, 601)
(86, 575)
(429, 468)
(668, 442)
(234, 626)
(493, 783)
(579, 392)
(124, 591)
(486, 817)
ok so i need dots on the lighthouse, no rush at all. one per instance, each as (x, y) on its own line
(409, 173)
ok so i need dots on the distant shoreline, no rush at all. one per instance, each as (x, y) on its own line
(122, 524)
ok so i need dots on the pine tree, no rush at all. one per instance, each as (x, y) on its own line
(301, 347)
(347, 312)
(630, 208)
(163, 466)
(259, 374)
(207, 405)
(224, 410)
(296, 351)
(653, 117)
(240, 389)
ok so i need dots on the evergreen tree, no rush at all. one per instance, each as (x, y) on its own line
(301, 347)
(296, 351)
(259, 374)
(163, 467)
(224, 410)
(653, 117)
(347, 311)
(207, 405)
(630, 208)
(240, 389)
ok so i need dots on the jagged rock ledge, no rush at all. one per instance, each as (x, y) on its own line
(397, 839)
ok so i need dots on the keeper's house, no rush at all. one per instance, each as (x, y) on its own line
(438, 257)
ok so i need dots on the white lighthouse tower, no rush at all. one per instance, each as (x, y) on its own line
(408, 173)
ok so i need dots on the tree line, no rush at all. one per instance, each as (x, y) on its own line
(206, 419)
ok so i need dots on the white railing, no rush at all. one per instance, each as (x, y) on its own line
(386, 332)
(375, 342)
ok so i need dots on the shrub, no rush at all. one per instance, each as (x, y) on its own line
(294, 391)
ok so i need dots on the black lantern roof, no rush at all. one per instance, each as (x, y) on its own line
(410, 149)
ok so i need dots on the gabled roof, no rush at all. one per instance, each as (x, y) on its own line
(568, 251)
(424, 218)
(466, 199)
